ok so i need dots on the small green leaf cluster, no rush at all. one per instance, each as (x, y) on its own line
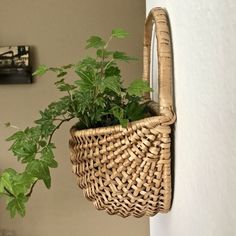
(98, 98)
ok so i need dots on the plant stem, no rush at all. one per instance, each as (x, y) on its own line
(103, 57)
(57, 127)
(108, 63)
(49, 141)
(108, 42)
(71, 97)
(9, 193)
(31, 189)
(102, 65)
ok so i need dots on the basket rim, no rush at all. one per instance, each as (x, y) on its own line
(153, 120)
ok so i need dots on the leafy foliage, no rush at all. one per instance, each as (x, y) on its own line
(119, 33)
(98, 98)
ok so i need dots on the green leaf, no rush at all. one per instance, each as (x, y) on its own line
(112, 71)
(138, 88)
(46, 125)
(86, 84)
(111, 83)
(50, 162)
(119, 33)
(118, 113)
(9, 171)
(1, 187)
(61, 74)
(17, 205)
(55, 69)
(40, 71)
(25, 152)
(7, 179)
(68, 66)
(59, 70)
(122, 56)
(102, 53)
(87, 62)
(95, 42)
(42, 143)
(17, 135)
(62, 86)
(86, 75)
(21, 183)
(24, 145)
(1, 184)
(40, 170)
(124, 122)
(14, 183)
(48, 157)
(135, 111)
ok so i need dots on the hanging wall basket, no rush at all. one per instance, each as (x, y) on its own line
(127, 171)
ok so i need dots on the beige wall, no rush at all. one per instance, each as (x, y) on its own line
(57, 30)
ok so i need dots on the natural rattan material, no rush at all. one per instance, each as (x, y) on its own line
(127, 171)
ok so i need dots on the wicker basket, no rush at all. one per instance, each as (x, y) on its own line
(127, 171)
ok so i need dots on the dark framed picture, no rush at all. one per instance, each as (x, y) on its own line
(15, 65)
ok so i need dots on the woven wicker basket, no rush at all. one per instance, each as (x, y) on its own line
(127, 171)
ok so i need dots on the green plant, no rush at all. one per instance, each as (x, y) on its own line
(97, 99)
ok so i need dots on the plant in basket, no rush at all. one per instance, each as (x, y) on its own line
(97, 99)
(120, 146)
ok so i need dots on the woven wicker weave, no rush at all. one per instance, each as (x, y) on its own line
(127, 171)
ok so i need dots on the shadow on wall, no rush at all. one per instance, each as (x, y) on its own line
(173, 127)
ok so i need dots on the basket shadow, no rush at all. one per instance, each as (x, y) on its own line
(173, 159)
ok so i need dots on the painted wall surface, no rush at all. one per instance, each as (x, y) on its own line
(204, 36)
(57, 30)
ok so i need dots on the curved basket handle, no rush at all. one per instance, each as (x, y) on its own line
(158, 16)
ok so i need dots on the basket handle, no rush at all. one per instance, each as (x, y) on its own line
(158, 16)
